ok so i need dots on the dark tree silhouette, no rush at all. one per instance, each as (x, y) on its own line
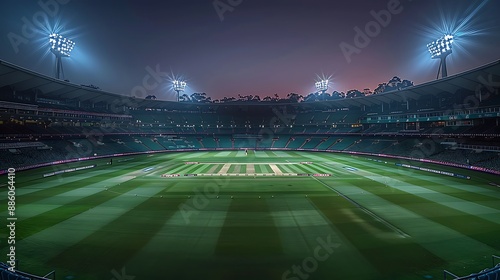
(184, 98)
(353, 93)
(380, 88)
(293, 97)
(199, 97)
(337, 95)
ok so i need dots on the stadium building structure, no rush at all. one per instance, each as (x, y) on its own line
(453, 121)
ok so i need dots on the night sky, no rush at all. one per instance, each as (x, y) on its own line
(231, 47)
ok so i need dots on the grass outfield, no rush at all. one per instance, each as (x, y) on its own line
(251, 217)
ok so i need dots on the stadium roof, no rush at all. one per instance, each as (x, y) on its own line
(21, 79)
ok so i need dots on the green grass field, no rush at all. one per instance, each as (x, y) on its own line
(251, 217)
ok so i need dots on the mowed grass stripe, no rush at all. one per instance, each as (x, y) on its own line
(179, 169)
(119, 240)
(333, 169)
(409, 176)
(232, 154)
(189, 155)
(205, 168)
(26, 211)
(437, 238)
(295, 168)
(243, 168)
(296, 155)
(249, 217)
(42, 246)
(318, 168)
(159, 170)
(191, 169)
(66, 211)
(257, 168)
(307, 168)
(199, 168)
(91, 179)
(221, 154)
(232, 168)
(217, 168)
(450, 195)
(285, 155)
(186, 241)
(464, 185)
(452, 182)
(475, 227)
(299, 168)
(391, 257)
(26, 188)
(284, 168)
(300, 225)
(447, 184)
(270, 154)
(266, 168)
(448, 189)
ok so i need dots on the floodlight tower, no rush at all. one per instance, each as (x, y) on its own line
(179, 86)
(60, 47)
(441, 48)
(322, 86)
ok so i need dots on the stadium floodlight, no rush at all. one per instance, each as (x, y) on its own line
(60, 47)
(322, 86)
(179, 86)
(440, 49)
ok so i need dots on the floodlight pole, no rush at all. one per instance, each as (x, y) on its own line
(59, 67)
(440, 49)
(442, 68)
(60, 47)
(178, 93)
(444, 71)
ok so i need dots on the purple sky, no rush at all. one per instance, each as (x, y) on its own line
(259, 47)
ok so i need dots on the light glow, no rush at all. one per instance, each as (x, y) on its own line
(60, 46)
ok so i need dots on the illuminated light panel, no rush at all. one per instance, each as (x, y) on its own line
(322, 85)
(60, 46)
(179, 85)
(441, 47)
